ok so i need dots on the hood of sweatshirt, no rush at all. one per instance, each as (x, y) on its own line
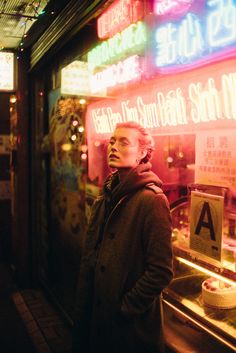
(136, 179)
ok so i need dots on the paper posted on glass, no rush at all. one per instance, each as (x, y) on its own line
(206, 224)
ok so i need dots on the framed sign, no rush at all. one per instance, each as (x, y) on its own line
(6, 71)
(216, 158)
(206, 219)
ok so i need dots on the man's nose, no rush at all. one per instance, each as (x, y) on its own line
(114, 146)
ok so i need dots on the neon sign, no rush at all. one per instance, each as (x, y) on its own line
(188, 42)
(197, 39)
(124, 71)
(171, 7)
(119, 16)
(197, 102)
(6, 71)
(131, 41)
(221, 23)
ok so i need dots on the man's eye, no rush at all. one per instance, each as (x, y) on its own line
(124, 143)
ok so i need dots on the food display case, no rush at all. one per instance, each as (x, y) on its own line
(192, 321)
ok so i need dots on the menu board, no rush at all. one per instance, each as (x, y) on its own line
(75, 79)
(6, 71)
(216, 158)
(206, 219)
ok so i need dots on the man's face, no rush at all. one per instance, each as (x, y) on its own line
(123, 149)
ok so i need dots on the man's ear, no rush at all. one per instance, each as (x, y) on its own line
(143, 153)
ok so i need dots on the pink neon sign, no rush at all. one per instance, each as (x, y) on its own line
(192, 101)
(119, 16)
(124, 71)
(175, 9)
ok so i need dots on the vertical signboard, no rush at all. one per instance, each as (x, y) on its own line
(216, 158)
(206, 216)
(6, 71)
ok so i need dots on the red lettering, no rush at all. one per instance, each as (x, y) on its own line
(119, 16)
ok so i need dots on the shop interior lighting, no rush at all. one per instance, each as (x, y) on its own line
(84, 148)
(73, 137)
(13, 99)
(201, 326)
(75, 122)
(66, 147)
(204, 270)
(84, 156)
(81, 129)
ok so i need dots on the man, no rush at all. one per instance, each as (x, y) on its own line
(127, 257)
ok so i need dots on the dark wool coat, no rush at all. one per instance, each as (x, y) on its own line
(126, 263)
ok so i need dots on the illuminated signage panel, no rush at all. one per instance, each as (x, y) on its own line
(216, 158)
(75, 79)
(122, 72)
(195, 100)
(131, 41)
(6, 71)
(203, 34)
(119, 16)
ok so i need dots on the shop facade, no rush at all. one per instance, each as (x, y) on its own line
(169, 66)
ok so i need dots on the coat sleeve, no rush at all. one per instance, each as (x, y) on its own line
(157, 247)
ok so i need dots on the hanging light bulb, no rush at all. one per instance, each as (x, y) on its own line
(81, 129)
(73, 137)
(75, 122)
(13, 99)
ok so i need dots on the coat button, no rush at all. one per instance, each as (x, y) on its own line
(112, 235)
(102, 268)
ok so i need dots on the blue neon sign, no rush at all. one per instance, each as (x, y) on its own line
(197, 38)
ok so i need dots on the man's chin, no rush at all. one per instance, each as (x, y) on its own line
(113, 164)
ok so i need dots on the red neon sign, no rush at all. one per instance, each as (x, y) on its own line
(119, 16)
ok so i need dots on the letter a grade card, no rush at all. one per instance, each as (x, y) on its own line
(206, 223)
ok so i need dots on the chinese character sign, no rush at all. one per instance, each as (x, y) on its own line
(216, 158)
(201, 35)
(179, 43)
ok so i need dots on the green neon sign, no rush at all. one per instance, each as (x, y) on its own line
(130, 41)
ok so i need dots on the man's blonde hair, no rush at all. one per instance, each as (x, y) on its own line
(146, 141)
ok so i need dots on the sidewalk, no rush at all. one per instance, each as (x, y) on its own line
(46, 328)
(13, 336)
(29, 323)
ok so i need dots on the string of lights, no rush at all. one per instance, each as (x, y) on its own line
(16, 20)
(38, 11)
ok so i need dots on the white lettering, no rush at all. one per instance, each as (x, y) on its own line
(148, 114)
(129, 113)
(101, 121)
(120, 73)
(229, 95)
(172, 108)
(206, 103)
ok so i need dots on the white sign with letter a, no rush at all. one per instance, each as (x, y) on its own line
(206, 220)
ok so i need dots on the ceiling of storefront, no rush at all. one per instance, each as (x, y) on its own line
(18, 17)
